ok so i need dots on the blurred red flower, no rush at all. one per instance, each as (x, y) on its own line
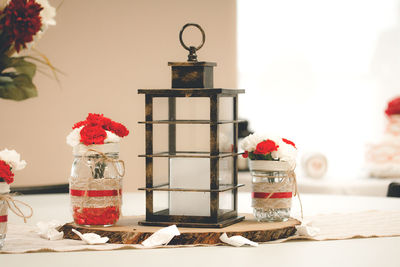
(393, 107)
(21, 22)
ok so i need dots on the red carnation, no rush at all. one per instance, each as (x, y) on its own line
(118, 129)
(98, 119)
(245, 154)
(266, 147)
(393, 107)
(21, 22)
(79, 124)
(93, 135)
(95, 127)
(289, 142)
(5, 172)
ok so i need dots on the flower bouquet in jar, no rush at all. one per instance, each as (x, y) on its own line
(10, 161)
(96, 175)
(383, 158)
(272, 161)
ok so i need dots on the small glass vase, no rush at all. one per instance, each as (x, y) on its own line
(4, 190)
(273, 187)
(96, 184)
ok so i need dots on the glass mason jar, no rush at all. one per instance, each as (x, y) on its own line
(96, 184)
(273, 187)
(4, 189)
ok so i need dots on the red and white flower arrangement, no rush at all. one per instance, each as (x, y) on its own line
(21, 23)
(393, 126)
(10, 161)
(267, 147)
(383, 158)
(96, 130)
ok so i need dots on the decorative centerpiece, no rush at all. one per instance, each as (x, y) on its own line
(272, 164)
(22, 22)
(10, 161)
(383, 159)
(192, 184)
(96, 175)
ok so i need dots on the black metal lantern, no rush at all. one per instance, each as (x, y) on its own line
(191, 183)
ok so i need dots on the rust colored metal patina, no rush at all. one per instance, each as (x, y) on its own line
(192, 74)
(193, 80)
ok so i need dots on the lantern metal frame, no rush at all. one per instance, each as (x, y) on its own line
(192, 79)
(218, 218)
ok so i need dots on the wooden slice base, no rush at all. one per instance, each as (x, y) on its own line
(128, 231)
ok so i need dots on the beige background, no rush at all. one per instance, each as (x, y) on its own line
(108, 50)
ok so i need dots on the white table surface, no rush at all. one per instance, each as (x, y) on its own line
(354, 252)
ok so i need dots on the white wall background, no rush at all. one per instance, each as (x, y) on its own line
(320, 73)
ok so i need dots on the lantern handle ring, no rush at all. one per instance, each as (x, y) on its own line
(192, 57)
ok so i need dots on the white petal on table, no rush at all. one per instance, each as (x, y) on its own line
(47, 230)
(306, 229)
(91, 238)
(161, 237)
(237, 240)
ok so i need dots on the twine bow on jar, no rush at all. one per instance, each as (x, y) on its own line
(104, 158)
(12, 205)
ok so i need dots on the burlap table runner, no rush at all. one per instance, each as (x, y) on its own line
(23, 239)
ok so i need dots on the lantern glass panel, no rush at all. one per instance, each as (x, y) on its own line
(225, 171)
(160, 108)
(226, 108)
(160, 201)
(192, 108)
(196, 138)
(226, 201)
(190, 173)
(225, 137)
(193, 137)
(160, 171)
(160, 138)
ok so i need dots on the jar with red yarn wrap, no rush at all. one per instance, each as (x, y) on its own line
(96, 184)
(4, 190)
(273, 186)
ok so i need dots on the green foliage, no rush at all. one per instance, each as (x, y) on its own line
(16, 76)
(268, 156)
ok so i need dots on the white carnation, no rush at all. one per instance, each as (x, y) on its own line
(12, 158)
(112, 138)
(286, 152)
(74, 137)
(48, 13)
(250, 142)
